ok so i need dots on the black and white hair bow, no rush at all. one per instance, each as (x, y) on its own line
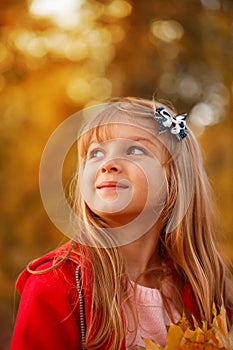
(176, 124)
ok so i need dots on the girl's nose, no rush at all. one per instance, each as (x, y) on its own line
(111, 167)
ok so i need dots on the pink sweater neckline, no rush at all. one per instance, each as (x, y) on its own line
(152, 318)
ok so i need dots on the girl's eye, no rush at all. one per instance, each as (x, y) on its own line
(135, 150)
(96, 153)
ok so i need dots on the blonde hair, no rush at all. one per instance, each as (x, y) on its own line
(186, 238)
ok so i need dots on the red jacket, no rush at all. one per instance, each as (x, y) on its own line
(49, 315)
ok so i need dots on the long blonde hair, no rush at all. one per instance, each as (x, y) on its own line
(186, 238)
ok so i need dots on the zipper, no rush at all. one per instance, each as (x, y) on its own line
(81, 305)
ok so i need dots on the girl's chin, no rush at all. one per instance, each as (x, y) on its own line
(116, 219)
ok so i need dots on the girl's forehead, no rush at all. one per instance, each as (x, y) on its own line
(123, 131)
(127, 131)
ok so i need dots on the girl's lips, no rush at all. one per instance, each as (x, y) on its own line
(111, 185)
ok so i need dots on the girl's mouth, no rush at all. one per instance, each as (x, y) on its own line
(111, 185)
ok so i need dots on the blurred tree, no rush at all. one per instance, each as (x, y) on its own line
(58, 57)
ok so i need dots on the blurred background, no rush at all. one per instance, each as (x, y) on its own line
(59, 56)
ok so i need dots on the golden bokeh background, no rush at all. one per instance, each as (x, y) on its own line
(59, 56)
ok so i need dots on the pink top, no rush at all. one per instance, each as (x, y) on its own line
(153, 319)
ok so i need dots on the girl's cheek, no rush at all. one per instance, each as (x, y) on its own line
(84, 176)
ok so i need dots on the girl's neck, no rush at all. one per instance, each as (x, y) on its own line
(142, 255)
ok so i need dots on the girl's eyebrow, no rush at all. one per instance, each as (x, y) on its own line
(133, 138)
(139, 139)
(150, 144)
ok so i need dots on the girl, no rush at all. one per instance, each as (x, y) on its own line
(143, 253)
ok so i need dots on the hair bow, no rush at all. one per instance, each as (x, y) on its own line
(176, 124)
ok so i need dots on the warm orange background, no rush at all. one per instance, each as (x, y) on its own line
(57, 57)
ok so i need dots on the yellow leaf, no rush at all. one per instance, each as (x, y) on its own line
(195, 323)
(210, 336)
(183, 323)
(204, 326)
(150, 345)
(199, 335)
(214, 310)
(230, 334)
(174, 337)
(220, 326)
(190, 334)
(222, 320)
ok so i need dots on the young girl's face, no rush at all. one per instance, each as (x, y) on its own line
(122, 176)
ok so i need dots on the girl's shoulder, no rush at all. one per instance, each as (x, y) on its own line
(57, 267)
(49, 303)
